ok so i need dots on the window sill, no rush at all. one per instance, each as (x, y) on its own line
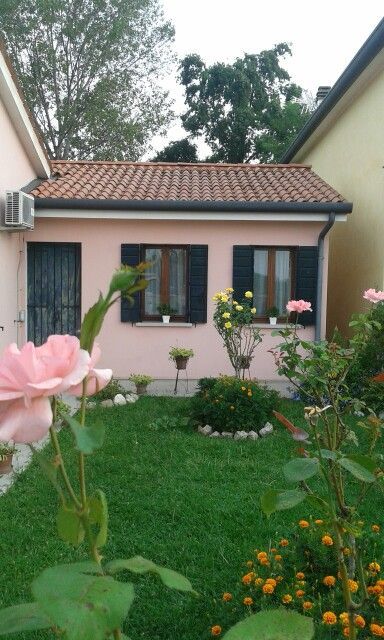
(184, 325)
(281, 325)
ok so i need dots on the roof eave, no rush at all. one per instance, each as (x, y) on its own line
(370, 49)
(193, 205)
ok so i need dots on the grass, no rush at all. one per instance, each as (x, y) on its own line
(185, 501)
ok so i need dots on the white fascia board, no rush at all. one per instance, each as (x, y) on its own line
(21, 121)
(237, 216)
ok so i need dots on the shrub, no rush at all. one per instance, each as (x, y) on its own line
(180, 352)
(230, 404)
(110, 391)
(140, 378)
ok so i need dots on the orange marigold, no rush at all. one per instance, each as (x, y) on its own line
(247, 579)
(375, 528)
(360, 622)
(268, 588)
(287, 598)
(248, 601)
(265, 562)
(377, 589)
(327, 541)
(371, 590)
(300, 575)
(261, 555)
(273, 550)
(329, 581)
(307, 605)
(278, 557)
(303, 524)
(300, 593)
(380, 600)
(353, 586)
(279, 578)
(346, 632)
(343, 617)
(329, 617)
(271, 581)
(227, 596)
(380, 583)
(215, 630)
(319, 522)
(283, 542)
(376, 630)
(259, 581)
(374, 566)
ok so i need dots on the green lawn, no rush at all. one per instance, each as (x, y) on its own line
(182, 500)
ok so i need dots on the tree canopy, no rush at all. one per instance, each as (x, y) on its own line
(90, 71)
(248, 111)
(178, 151)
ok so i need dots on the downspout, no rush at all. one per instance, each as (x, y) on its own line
(320, 262)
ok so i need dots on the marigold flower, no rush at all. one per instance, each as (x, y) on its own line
(346, 632)
(303, 524)
(300, 593)
(215, 630)
(287, 598)
(380, 600)
(327, 541)
(353, 586)
(279, 578)
(226, 315)
(283, 542)
(360, 622)
(329, 617)
(259, 582)
(253, 310)
(278, 558)
(227, 596)
(265, 562)
(300, 575)
(249, 564)
(268, 588)
(374, 566)
(376, 630)
(380, 583)
(261, 555)
(343, 617)
(248, 294)
(329, 581)
(371, 590)
(377, 589)
(273, 550)
(271, 581)
(247, 579)
(375, 528)
(346, 551)
(319, 522)
(307, 605)
(228, 325)
(248, 601)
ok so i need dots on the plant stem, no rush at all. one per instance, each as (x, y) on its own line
(56, 446)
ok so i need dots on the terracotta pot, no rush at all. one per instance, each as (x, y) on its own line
(141, 389)
(181, 362)
(6, 465)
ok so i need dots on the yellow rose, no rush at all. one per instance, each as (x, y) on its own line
(224, 298)
(234, 303)
(229, 289)
(248, 294)
(253, 310)
(239, 307)
(228, 325)
(226, 314)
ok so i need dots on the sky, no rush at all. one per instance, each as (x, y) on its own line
(324, 36)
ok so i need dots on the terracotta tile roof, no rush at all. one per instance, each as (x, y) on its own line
(185, 182)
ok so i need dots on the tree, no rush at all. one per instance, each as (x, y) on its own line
(90, 70)
(246, 111)
(178, 151)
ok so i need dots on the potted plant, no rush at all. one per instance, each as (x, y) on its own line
(273, 314)
(180, 356)
(141, 380)
(6, 454)
(166, 312)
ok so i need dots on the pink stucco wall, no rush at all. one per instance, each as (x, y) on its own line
(128, 348)
(15, 172)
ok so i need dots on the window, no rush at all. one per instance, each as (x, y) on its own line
(168, 280)
(273, 278)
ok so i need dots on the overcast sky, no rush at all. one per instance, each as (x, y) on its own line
(324, 36)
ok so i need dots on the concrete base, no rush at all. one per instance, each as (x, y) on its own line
(187, 388)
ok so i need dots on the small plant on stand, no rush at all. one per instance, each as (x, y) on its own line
(234, 322)
(141, 381)
(180, 356)
(273, 314)
(166, 312)
(6, 454)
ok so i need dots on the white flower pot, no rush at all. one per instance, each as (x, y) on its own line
(166, 319)
(272, 320)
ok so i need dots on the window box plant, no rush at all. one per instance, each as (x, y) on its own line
(273, 314)
(141, 381)
(6, 455)
(180, 356)
(166, 312)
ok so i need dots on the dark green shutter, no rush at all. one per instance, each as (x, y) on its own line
(306, 281)
(198, 282)
(130, 256)
(242, 270)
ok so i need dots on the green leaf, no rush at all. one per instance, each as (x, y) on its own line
(362, 467)
(69, 526)
(82, 603)
(317, 502)
(328, 454)
(92, 323)
(300, 469)
(88, 438)
(49, 469)
(275, 624)
(98, 513)
(23, 617)
(140, 565)
(274, 500)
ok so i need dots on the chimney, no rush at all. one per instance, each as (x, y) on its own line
(322, 92)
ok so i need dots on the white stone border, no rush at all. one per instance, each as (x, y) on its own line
(237, 435)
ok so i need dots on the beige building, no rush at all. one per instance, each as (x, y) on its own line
(344, 143)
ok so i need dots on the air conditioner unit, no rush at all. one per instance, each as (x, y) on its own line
(19, 210)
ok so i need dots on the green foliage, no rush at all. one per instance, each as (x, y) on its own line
(178, 151)
(110, 391)
(277, 624)
(273, 500)
(165, 309)
(88, 438)
(245, 111)
(91, 72)
(231, 404)
(23, 617)
(180, 352)
(139, 565)
(272, 312)
(140, 378)
(6, 449)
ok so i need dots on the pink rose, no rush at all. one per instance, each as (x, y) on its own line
(96, 379)
(373, 296)
(29, 376)
(299, 306)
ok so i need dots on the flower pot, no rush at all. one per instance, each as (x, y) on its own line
(141, 389)
(272, 320)
(166, 319)
(6, 464)
(181, 362)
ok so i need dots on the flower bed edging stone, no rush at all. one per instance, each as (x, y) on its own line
(118, 401)
(237, 435)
